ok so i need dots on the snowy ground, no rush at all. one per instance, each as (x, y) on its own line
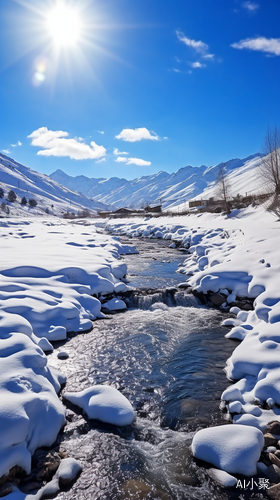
(236, 257)
(48, 272)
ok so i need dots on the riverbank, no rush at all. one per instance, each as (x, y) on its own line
(236, 258)
(54, 279)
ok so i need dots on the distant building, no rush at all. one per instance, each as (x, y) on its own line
(198, 203)
(130, 212)
(123, 211)
(157, 209)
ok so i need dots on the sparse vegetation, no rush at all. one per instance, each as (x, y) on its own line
(223, 187)
(32, 202)
(12, 196)
(270, 167)
(1, 192)
(23, 201)
(69, 215)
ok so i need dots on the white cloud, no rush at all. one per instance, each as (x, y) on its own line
(54, 143)
(176, 70)
(100, 131)
(17, 144)
(133, 161)
(121, 159)
(116, 152)
(251, 6)
(197, 65)
(199, 46)
(6, 151)
(262, 44)
(137, 134)
(101, 160)
(208, 56)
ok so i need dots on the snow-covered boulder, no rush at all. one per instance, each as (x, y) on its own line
(233, 448)
(114, 305)
(102, 402)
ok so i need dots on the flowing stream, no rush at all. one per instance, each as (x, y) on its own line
(166, 355)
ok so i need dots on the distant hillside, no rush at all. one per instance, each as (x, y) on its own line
(169, 189)
(49, 194)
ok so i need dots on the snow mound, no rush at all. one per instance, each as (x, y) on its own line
(31, 413)
(223, 478)
(102, 402)
(235, 449)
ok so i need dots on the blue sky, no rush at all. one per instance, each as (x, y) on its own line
(127, 88)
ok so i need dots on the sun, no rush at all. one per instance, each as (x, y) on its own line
(64, 25)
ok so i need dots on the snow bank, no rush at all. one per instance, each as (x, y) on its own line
(102, 402)
(235, 258)
(48, 272)
(30, 412)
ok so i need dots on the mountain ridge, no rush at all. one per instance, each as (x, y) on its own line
(169, 189)
(49, 194)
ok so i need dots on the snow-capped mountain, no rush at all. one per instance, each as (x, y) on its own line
(49, 194)
(169, 189)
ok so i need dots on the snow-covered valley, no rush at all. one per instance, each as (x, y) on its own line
(51, 268)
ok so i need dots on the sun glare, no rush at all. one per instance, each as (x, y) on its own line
(64, 25)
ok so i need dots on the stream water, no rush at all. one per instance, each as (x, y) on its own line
(168, 360)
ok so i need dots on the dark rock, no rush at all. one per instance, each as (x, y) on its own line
(273, 427)
(184, 285)
(14, 475)
(269, 439)
(48, 466)
(200, 296)
(31, 486)
(245, 305)
(274, 459)
(6, 489)
(274, 492)
(217, 299)
(265, 459)
(273, 472)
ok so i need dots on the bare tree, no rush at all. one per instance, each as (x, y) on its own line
(223, 186)
(270, 166)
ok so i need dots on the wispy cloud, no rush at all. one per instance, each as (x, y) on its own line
(197, 64)
(261, 44)
(101, 131)
(17, 144)
(251, 6)
(55, 143)
(137, 134)
(101, 160)
(6, 151)
(133, 161)
(116, 152)
(197, 45)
